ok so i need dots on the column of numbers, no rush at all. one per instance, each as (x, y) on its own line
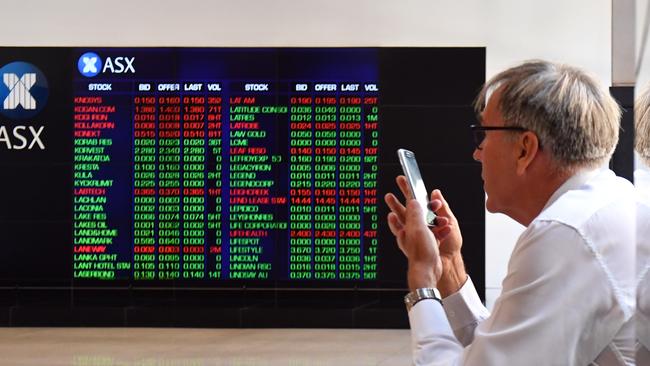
(325, 155)
(214, 179)
(144, 182)
(169, 191)
(301, 173)
(349, 187)
(193, 183)
(370, 218)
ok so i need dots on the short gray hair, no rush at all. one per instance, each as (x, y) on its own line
(642, 125)
(574, 117)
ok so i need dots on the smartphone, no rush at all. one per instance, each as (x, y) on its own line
(418, 190)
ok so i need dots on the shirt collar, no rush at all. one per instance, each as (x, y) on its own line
(642, 182)
(642, 176)
(574, 182)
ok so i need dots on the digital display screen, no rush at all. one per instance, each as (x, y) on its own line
(225, 166)
(224, 173)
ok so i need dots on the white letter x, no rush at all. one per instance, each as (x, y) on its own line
(89, 64)
(19, 91)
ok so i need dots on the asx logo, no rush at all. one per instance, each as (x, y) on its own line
(90, 64)
(23, 91)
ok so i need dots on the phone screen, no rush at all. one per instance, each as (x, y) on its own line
(419, 191)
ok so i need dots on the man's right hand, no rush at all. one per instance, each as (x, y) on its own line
(448, 234)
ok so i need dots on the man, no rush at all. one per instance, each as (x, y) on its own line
(546, 132)
(642, 184)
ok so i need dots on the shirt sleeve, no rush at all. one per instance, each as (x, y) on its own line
(433, 326)
(432, 339)
(465, 311)
(555, 298)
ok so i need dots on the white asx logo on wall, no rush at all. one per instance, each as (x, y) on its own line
(19, 91)
(24, 92)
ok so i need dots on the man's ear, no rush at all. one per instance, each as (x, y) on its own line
(528, 149)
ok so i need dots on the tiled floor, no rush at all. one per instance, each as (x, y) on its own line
(198, 347)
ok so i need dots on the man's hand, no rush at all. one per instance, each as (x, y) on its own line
(447, 232)
(418, 245)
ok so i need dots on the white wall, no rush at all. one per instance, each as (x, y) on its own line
(642, 51)
(571, 31)
(642, 54)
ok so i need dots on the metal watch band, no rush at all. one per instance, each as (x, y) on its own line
(420, 294)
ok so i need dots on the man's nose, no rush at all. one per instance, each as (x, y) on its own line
(477, 155)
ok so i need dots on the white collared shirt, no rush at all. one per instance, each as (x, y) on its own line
(567, 298)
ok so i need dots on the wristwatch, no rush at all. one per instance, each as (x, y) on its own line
(420, 294)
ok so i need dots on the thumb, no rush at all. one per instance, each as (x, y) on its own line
(444, 209)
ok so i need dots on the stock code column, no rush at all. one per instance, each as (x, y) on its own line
(257, 195)
(101, 176)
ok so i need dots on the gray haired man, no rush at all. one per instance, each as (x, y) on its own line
(546, 132)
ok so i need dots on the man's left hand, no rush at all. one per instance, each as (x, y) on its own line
(417, 243)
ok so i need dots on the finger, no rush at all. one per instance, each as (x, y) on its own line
(395, 205)
(442, 228)
(397, 229)
(442, 233)
(403, 185)
(394, 223)
(441, 221)
(434, 205)
(444, 210)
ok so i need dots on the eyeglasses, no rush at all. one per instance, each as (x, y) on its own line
(478, 132)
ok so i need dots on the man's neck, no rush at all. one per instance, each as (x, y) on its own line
(540, 188)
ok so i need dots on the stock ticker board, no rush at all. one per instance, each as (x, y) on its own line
(202, 164)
